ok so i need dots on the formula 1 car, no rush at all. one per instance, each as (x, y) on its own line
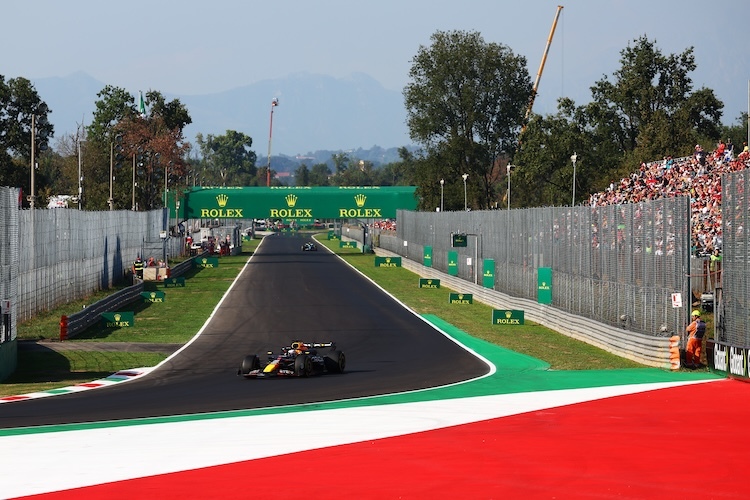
(300, 359)
(309, 246)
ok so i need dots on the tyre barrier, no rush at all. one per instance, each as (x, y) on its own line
(674, 352)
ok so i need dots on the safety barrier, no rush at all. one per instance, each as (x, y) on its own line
(72, 325)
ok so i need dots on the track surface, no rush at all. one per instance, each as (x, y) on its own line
(282, 295)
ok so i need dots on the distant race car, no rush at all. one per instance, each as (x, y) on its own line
(300, 359)
(309, 246)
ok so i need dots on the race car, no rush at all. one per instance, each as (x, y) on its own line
(300, 359)
(309, 246)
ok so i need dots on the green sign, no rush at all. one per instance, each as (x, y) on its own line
(174, 282)
(460, 298)
(488, 273)
(347, 244)
(387, 261)
(429, 283)
(118, 319)
(154, 296)
(544, 285)
(427, 258)
(332, 235)
(507, 317)
(206, 262)
(459, 239)
(453, 263)
(295, 202)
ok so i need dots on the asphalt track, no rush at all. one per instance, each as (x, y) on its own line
(283, 294)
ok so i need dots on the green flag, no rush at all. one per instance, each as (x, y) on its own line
(141, 105)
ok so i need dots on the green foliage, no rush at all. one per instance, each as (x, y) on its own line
(19, 101)
(465, 105)
(228, 159)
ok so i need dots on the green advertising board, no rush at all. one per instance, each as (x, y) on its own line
(174, 282)
(488, 273)
(453, 263)
(544, 285)
(507, 317)
(347, 244)
(429, 283)
(460, 298)
(427, 258)
(295, 202)
(118, 319)
(459, 240)
(332, 235)
(206, 262)
(387, 261)
(154, 296)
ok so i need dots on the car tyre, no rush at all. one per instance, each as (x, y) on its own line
(335, 362)
(303, 366)
(250, 363)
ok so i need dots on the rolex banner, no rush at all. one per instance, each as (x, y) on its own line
(507, 317)
(453, 263)
(460, 298)
(387, 261)
(544, 285)
(295, 202)
(429, 283)
(427, 258)
(154, 296)
(118, 319)
(488, 273)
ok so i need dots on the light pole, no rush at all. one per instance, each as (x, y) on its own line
(442, 184)
(509, 167)
(574, 158)
(32, 196)
(80, 177)
(274, 103)
(465, 176)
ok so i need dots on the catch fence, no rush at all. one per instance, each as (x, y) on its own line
(619, 265)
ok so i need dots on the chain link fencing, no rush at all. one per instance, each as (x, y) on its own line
(619, 265)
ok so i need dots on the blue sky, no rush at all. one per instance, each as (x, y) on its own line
(191, 47)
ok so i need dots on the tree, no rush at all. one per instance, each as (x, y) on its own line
(19, 101)
(154, 144)
(302, 176)
(229, 159)
(649, 109)
(319, 174)
(465, 105)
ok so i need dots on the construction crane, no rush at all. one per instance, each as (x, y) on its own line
(541, 68)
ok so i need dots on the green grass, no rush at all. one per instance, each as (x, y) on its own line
(185, 310)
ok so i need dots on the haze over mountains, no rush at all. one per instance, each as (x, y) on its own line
(315, 112)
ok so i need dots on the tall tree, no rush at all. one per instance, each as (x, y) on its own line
(229, 158)
(19, 102)
(466, 104)
(650, 109)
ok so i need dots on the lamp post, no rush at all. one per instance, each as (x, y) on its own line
(574, 158)
(442, 184)
(32, 196)
(465, 176)
(111, 200)
(80, 174)
(274, 103)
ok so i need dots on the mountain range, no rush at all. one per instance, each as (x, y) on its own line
(315, 113)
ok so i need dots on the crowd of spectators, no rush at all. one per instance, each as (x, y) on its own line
(697, 176)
